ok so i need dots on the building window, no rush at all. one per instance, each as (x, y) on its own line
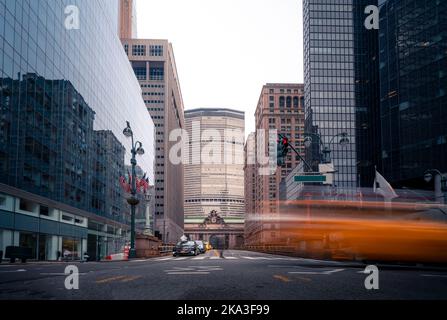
(67, 218)
(296, 102)
(156, 51)
(156, 74)
(138, 50)
(44, 211)
(282, 102)
(126, 49)
(140, 73)
(27, 206)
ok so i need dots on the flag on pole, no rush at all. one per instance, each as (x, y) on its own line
(383, 187)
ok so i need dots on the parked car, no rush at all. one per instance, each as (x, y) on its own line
(201, 246)
(189, 248)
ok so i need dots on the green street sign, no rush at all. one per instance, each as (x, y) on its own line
(310, 179)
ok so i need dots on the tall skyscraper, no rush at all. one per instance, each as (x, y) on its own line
(413, 90)
(128, 19)
(341, 86)
(154, 65)
(214, 187)
(250, 182)
(66, 92)
(281, 108)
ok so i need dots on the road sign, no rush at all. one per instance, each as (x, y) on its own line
(310, 179)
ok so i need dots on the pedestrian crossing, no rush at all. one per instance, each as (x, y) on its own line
(202, 258)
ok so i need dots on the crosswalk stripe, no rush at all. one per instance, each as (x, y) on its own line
(164, 259)
(217, 258)
(198, 258)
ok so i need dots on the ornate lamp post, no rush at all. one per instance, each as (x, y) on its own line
(148, 228)
(133, 201)
(325, 156)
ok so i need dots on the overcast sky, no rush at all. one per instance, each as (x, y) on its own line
(227, 49)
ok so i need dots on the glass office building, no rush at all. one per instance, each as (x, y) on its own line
(66, 94)
(341, 87)
(413, 89)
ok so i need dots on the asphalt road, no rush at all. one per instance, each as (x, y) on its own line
(236, 275)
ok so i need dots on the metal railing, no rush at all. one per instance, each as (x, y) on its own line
(166, 249)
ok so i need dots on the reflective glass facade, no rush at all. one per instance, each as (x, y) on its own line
(413, 89)
(66, 95)
(341, 86)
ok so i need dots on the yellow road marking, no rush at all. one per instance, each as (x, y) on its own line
(281, 278)
(129, 279)
(110, 279)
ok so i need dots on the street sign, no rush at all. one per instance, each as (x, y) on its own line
(310, 179)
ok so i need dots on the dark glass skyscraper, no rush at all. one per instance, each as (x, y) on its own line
(413, 89)
(341, 86)
(66, 94)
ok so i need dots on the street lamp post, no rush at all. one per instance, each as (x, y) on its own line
(133, 201)
(325, 155)
(148, 229)
(440, 183)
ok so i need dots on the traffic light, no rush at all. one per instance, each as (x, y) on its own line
(282, 150)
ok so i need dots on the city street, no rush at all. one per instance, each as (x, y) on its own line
(227, 275)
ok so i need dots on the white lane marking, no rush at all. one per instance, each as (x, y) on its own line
(180, 259)
(256, 258)
(61, 274)
(164, 259)
(316, 273)
(188, 273)
(231, 258)
(434, 275)
(215, 258)
(180, 269)
(13, 271)
(199, 258)
(139, 260)
(193, 270)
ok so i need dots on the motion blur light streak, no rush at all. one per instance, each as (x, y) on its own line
(357, 231)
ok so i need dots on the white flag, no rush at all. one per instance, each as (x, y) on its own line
(384, 188)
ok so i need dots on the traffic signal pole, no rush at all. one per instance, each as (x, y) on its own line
(294, 150)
